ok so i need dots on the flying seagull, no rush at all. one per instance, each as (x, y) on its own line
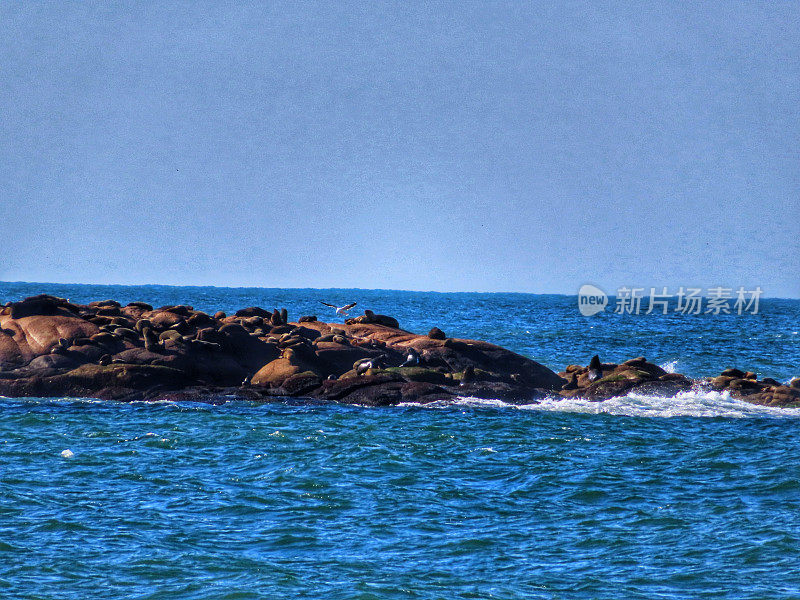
(341, 310)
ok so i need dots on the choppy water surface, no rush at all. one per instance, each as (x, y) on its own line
(639, 497)
(248, 501)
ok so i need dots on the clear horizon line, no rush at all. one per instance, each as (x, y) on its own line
(256, 287)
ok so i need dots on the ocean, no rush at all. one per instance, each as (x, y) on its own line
(696, 496)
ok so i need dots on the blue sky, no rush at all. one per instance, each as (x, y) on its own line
(435, 146)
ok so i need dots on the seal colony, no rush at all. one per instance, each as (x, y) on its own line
(50, 346)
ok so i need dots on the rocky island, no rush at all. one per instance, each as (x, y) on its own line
(50, 346)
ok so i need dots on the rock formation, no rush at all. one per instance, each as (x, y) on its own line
(52, 347)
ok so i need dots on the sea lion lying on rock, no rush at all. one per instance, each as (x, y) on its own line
(50, 346)
(768, 392)
(600, 381)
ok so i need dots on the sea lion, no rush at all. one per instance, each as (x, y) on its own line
(412, 358)
(151, 340)
(99, 303)
(468, 376)
(103, 337)
(370, 363)
(170, 334)
(572, 384)
(143, 305)
(436, 334)
(203, 344)
(141, 324)
(595, 368)
(125, 332)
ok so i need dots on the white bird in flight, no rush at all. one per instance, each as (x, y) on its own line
(341, 310)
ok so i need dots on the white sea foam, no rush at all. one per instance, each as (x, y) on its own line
(693, 403)
(670, 366)
(685, 404)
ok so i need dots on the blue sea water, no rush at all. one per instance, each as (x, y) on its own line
(696, 496)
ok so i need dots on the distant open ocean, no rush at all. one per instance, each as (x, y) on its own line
(696, 496)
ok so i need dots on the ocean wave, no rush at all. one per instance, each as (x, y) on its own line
(695, 403)
(670, 366)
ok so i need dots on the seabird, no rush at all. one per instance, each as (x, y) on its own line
(341, 310)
